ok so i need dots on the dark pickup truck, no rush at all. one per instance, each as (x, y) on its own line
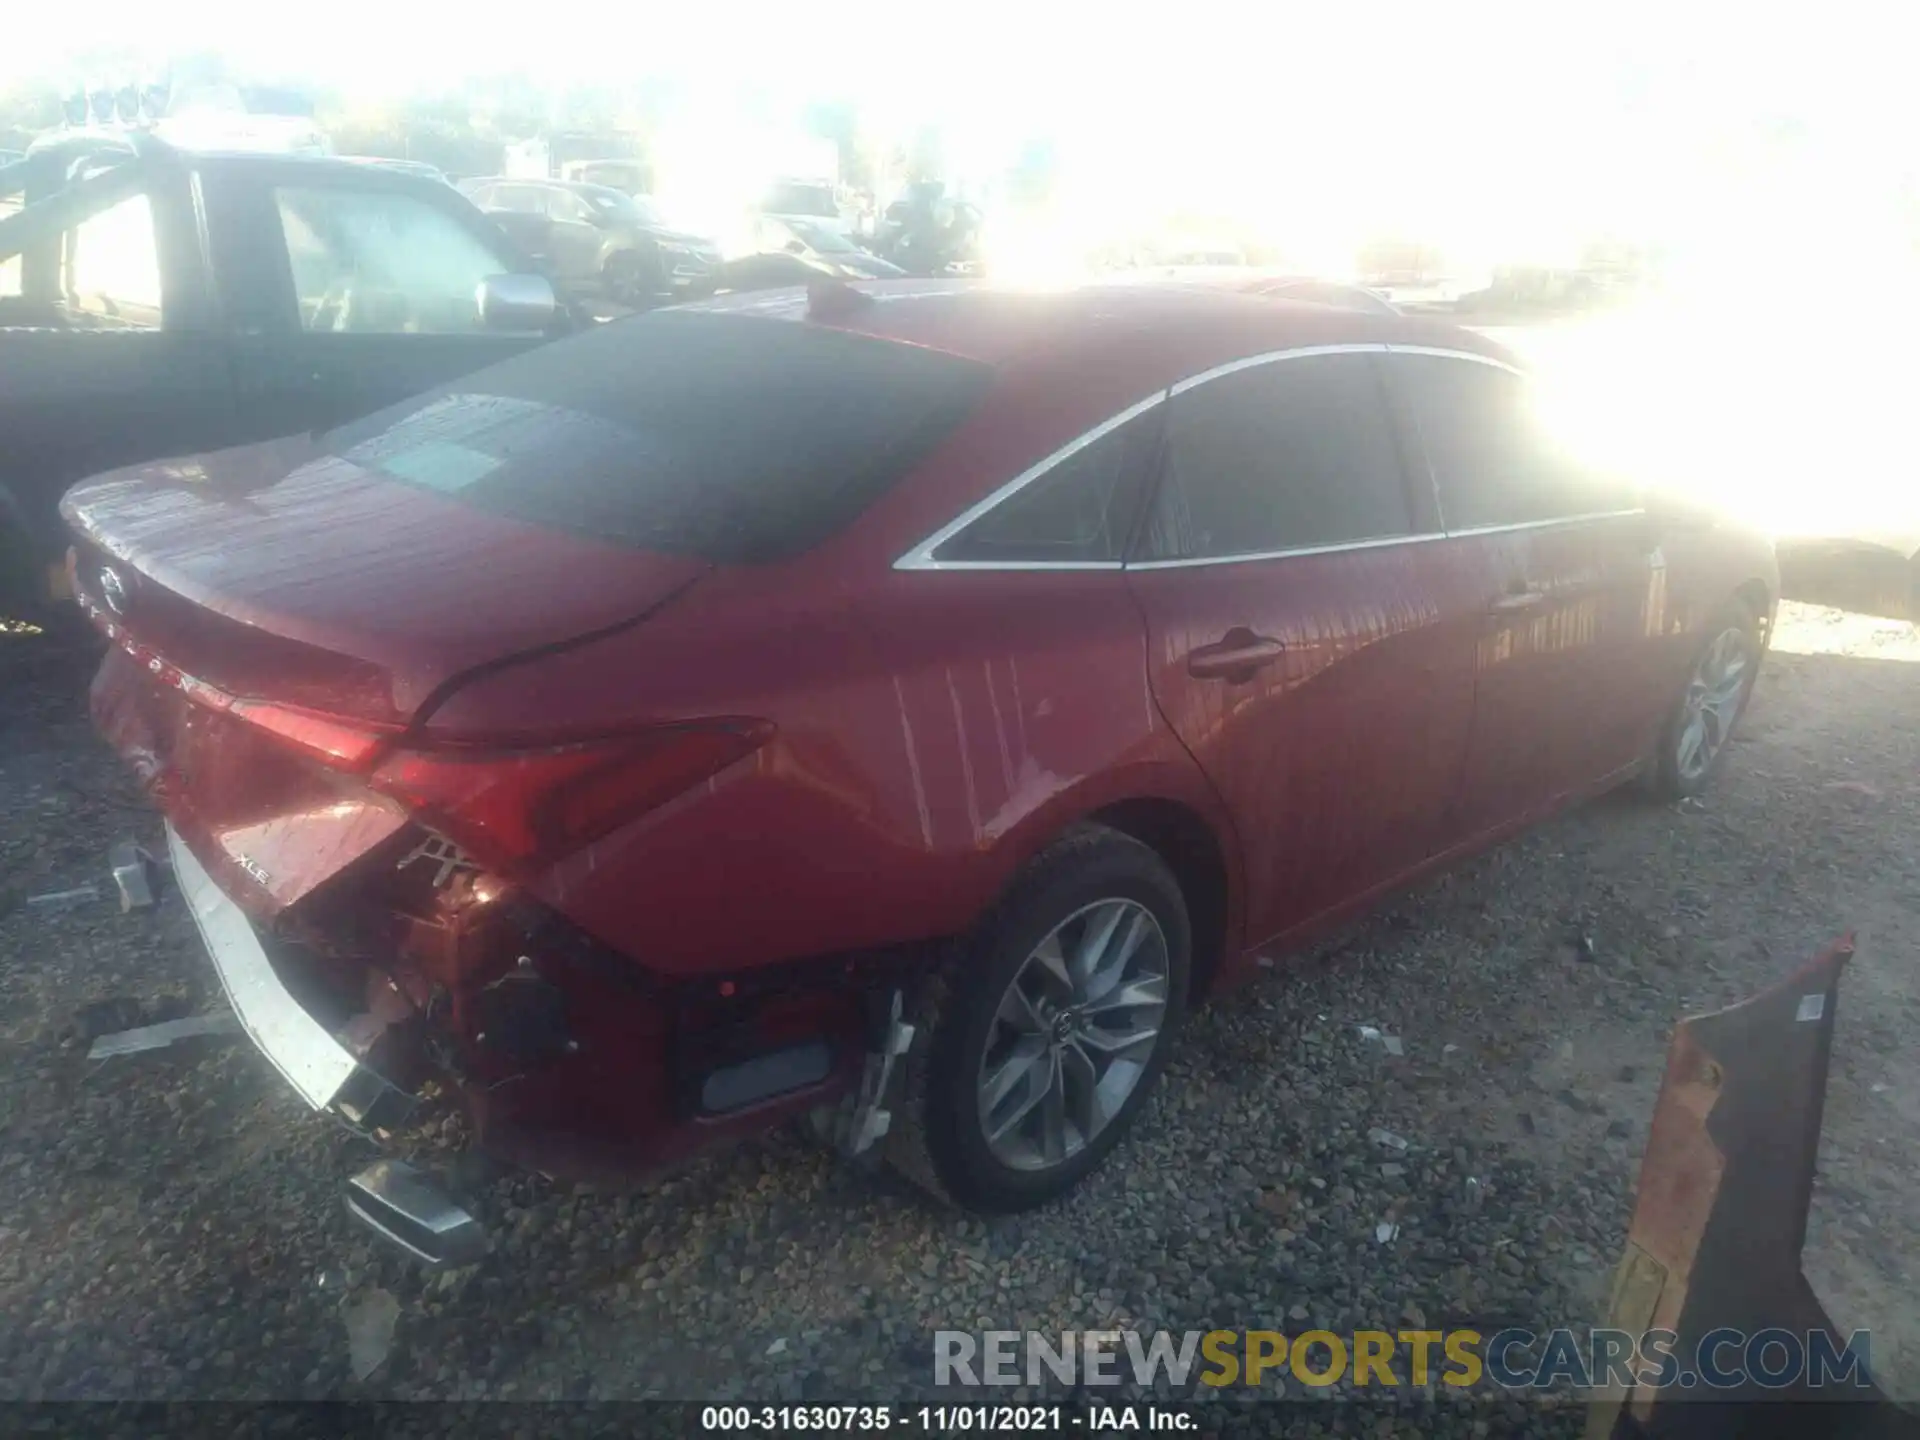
(156, 301)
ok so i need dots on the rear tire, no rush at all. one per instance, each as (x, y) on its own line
(1699, 728)
(1032, 1053)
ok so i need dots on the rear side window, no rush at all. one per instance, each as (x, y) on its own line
(735, 438)
(1290, 455)
(1493, 457)
(1079, 511)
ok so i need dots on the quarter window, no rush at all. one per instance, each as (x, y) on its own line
(1080, 511)
(1289, 455)
(375, 262)
(1494, 458)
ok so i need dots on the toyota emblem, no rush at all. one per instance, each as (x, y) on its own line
(113, 590)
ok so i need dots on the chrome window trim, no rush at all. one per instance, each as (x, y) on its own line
(1417, 538)
(1270, 357)
(921, 556)
(1443, 352)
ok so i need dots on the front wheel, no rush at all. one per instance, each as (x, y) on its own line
(1694, 740)
(624, 280)
(1047, 1028)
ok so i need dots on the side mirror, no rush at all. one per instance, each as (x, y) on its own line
(516, 302)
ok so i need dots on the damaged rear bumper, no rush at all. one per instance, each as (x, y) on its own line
(398, 1202)
(323, 1071)
(564, 1057)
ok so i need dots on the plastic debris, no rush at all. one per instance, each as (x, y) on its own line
(1386, 1232)
(158, 1037)
(132, 870)
(1387, 1138)
(778, 1347)
(66, 897)
(1374, 1035)
(1584, 950)
(1446, 1050)
(370, 1321)
(1475, 1194)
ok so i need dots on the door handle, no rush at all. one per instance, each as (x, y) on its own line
(1235, 657)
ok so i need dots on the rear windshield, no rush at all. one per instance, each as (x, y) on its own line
(732, 438)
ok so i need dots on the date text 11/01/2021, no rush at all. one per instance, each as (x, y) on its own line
(944, 1419)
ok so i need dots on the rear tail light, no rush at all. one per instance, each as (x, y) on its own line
(510, 807)
(515, 808)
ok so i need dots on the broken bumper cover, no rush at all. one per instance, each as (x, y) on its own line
(320, 1069)
(396, 1201)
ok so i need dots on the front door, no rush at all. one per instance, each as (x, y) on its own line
(113, 360)
(1570, 588)
(363, 295)
(1311, 642)
(573, 237)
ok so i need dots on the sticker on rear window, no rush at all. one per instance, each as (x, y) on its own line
(439, 465)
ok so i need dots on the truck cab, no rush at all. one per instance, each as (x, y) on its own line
(159, 301)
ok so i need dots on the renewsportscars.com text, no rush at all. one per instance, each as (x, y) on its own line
(1511, 1359)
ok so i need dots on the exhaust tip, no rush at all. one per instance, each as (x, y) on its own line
(407, 1208)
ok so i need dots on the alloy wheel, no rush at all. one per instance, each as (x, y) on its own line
(1073, 1035)
(1712, 701)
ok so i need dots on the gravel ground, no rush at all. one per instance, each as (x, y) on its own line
(171, 1227)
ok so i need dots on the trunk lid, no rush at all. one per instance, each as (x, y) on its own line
(287, 572)
(286, 617)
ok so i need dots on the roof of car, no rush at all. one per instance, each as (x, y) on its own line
(199, 155)
(1189, 326)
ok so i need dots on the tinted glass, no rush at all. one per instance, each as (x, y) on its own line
(732, 437)
(1493, 456)
(1282, 456)
(1081, 510)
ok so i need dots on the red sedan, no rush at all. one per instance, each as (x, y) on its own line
(897, 706)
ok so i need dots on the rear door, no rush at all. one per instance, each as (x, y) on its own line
(1571, 582)
(1310, 641)
(353, 291)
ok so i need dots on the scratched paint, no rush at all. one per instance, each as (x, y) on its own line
(913, 765)
(999, 727)
(966, 759)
